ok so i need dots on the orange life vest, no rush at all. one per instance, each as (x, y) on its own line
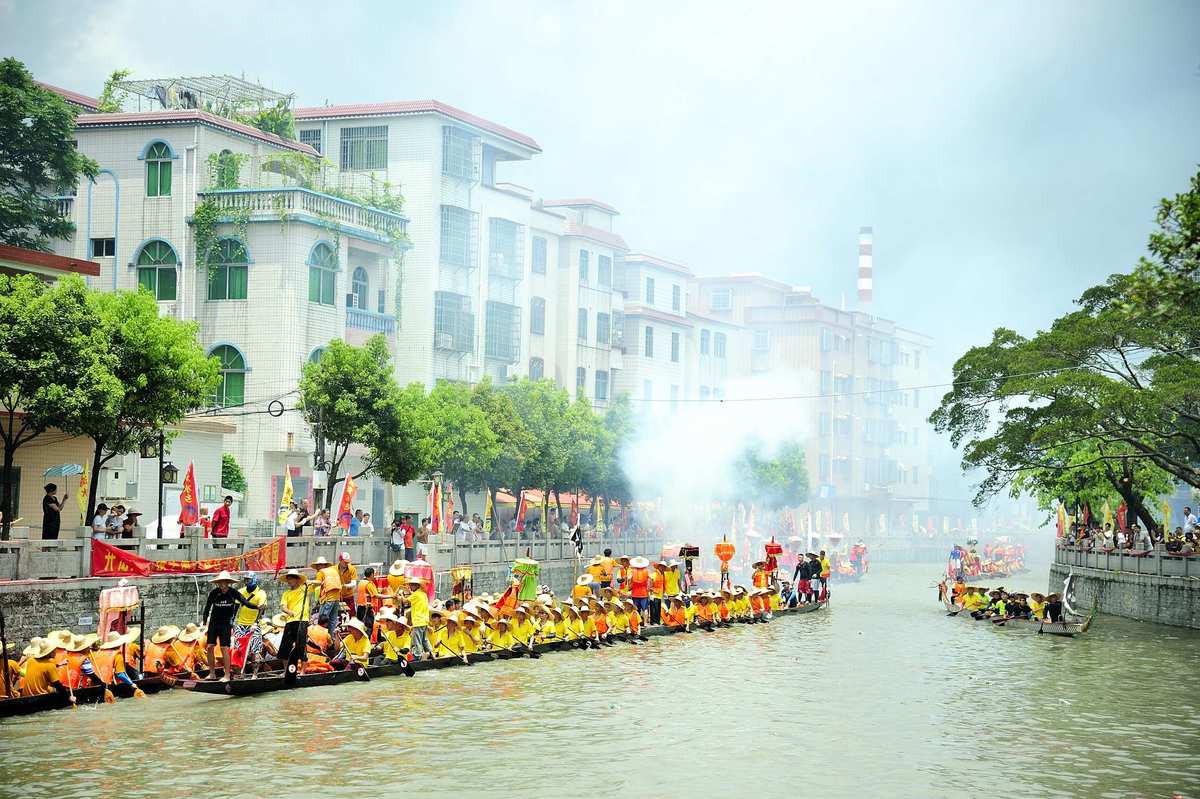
(184, 659)
(70, 668)
(318, 637)
(724, 608)
(104, 663)
(761, 579)
(635, 622)
(601, 622)
(676, 618)
(155, 659)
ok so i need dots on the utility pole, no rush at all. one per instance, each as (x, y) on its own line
(319, 474)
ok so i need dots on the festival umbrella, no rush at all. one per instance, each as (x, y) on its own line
(63, 470)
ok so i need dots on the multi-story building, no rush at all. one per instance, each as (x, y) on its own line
(863, 458)
(658, 329)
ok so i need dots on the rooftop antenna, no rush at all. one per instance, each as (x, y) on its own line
(866, 266)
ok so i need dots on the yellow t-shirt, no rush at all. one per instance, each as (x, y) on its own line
(580, 591)
(418, 609)
(247, 615)
(671, 582)
(524, 632)
(40, 677)
(293, 604)
(358, 648)
(689, 612)
(393, 643)
(501, 639)
(589, 628)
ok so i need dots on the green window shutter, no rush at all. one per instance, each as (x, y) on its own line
(314, 284)
(146, 280)
(327, 286)
(164, 179)
(235, 388)
(217, 276)
(238, 277)
(151, 178)
(166, 283)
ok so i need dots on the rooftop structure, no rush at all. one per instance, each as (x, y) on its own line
(220, 93)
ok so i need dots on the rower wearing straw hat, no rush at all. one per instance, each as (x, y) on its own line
(355, 647)
(219, 608)
(41, 672)
(418, 616)
(297, 607)
(329, 601)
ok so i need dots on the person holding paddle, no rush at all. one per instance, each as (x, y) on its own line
(247, 635)
(296, 612)
(219, 609)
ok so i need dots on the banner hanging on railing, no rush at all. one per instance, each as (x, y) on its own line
(109, 561)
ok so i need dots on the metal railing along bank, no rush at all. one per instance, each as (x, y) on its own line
(1158, 563)
(71, 557)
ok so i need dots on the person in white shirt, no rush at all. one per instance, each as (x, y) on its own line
(1189, 520)
(100, 521)
(293, 518)
(365, 527)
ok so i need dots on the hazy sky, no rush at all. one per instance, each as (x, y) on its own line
(1007, 154)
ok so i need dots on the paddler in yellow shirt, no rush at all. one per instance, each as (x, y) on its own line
(523, 631)
(297, 608)
(395, 642)
(583, 587)
(500, 636)
(354, 647)
(451, 643)
(1037, 606)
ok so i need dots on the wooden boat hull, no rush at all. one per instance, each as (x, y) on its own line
(276, 682)
(23, 706)
(1068, 628)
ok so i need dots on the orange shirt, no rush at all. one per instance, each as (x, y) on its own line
(41, 676)
(635, 622)
(676, 617)
(367, 592)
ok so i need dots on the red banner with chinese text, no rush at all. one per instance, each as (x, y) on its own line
(109, 561)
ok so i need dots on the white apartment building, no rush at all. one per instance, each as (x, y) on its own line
(658, 330)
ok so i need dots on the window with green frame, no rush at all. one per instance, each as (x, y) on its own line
(156, 269)
(158, 170)
(231, 389)
(227, 271)
(322, 274)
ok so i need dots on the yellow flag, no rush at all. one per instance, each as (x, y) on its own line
(285, 502)
(487, 514)
(81, 496)
(1166, 512)
(1108, 514)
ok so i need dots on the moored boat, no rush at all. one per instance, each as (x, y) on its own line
(24, 705)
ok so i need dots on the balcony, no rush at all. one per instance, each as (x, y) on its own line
(370, 321)
(296, 202)
(62, 206)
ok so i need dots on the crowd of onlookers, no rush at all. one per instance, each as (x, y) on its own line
(1104, 537)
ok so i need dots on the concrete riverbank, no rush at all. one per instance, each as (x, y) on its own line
(1158, 588)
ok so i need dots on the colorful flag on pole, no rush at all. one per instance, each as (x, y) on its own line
(435, 507)
(601, 527)
(574, 510)
(487, 514)
(449, 494)
(1108, 514)
(285, 502)
(1166, 515)
(81, 496)
(189, 503)
(1122, 512)
(521, 513)
(1062, 520)
(345, 514)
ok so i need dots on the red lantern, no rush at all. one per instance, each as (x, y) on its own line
(724, 551)
(774, 550)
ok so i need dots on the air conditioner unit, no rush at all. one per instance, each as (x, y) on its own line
(443, 341)
(113, 484)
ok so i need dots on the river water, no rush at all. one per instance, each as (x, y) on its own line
(881, 696)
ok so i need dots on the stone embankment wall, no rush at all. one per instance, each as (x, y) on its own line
(1157, 588)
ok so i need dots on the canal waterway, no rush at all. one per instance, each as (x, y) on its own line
(883, 695)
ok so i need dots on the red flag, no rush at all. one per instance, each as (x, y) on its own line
(507, 601)
(108, 561)
(345, 514)
(1122, 512)
(521, 514)
(435, 502)
(189, 504)
(574, 510)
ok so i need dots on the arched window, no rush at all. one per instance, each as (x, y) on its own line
(315, 357)
(537, 368)
(322, 274)
(360, 285)
(156, 264)
(158, 170)
(227, 170)
(231, 390)
(227, 272)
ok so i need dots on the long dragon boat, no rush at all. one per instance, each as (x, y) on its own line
(1071, 625)
(61, 698)
(277, 681)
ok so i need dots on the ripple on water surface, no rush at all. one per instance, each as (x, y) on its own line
(881, 696)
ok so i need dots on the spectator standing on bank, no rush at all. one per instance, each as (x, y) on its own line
(422, 537)
(322, 526)
(100, 521)
(52, 511)
(1189, 519)
(410, 534)
(220, 519)
(366, 528)
(356, 522)
(289, 523)
(306, 516)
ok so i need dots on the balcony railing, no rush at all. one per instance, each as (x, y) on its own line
(1157, 562)
(62, 206)
(276, 203)
(362, 319)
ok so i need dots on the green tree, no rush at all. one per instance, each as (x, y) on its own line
(232, 476)
(157, 374)
(37, 158)
(276, 119)
(585, 442)
(513, 437)
(542, 407)
(774, 482)
(54, 360)
(1169, 278)
(618, 424)
(350, 398)
(463, 444)
(112, 96)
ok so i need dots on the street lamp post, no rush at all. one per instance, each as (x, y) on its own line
(167, 472)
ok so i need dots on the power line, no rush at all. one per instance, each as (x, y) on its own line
(898, 389)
